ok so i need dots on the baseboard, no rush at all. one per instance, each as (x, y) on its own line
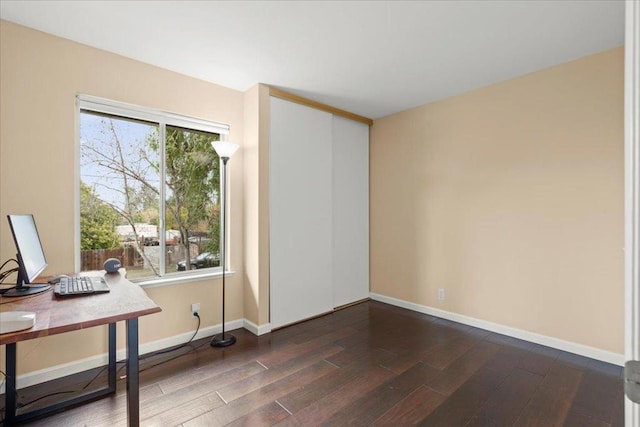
(255, 329)
(43, 375)
(582, 350)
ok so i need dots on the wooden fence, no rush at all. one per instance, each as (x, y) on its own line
(93, 259)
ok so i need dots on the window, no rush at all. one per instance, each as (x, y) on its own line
(149, 190)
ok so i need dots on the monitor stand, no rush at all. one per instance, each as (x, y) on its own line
(22, 290)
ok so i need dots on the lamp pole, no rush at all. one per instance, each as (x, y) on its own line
(225, 150)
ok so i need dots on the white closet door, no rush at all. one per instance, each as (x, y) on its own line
(350, 211)
(300, 206)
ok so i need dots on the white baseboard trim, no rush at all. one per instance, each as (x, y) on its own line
(43, 375)
(255, 329)
(582, 350)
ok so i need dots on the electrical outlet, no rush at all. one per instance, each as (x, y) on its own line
(195, 308)
(441, 294)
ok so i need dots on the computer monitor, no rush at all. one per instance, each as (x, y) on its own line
(30, 256)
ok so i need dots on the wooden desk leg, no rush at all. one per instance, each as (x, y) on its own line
(133, 385)
(10, 393)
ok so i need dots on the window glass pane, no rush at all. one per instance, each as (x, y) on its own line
(121, 183)
(119, 193)
(192, 200)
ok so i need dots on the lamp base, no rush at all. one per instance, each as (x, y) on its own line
(223, 340)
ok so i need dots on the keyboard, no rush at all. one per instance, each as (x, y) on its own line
(74, 286)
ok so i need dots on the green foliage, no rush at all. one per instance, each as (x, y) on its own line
(193, 180)
(97, 221)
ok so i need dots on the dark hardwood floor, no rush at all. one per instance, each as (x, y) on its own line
(369, 364)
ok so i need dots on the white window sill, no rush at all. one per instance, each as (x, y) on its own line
(175, 279)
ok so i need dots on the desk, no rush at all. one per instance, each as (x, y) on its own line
(126, 301)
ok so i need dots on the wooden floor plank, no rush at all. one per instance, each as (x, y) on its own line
(319, 411)
(303, 397)
(404, 361)
(461, 405)
(447, 352)
(176, 397)
(458, 372)
(618, 414)
(412, 409)
(550, 405)
(238, 389)
(309, 345)
(176, 414)
(597, 396)
(576, 418)
(505, 404)
(360, 353)
(365, 410)
(267, 415)
(253, 401)
(207, 363)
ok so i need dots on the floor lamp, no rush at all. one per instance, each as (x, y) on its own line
(225, 150)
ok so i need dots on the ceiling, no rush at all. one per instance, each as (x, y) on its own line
(372, 58)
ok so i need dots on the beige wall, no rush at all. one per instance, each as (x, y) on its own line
(40, 76)
(256, 204)
(510, 198)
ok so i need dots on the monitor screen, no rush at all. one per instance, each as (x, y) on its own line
(31, 259)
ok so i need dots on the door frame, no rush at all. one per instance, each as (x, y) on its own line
(632, 194)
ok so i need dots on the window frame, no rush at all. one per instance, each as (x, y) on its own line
(162, 119)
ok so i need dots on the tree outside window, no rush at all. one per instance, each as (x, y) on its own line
(149, 195)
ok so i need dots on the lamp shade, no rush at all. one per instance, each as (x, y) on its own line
(224, 148)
